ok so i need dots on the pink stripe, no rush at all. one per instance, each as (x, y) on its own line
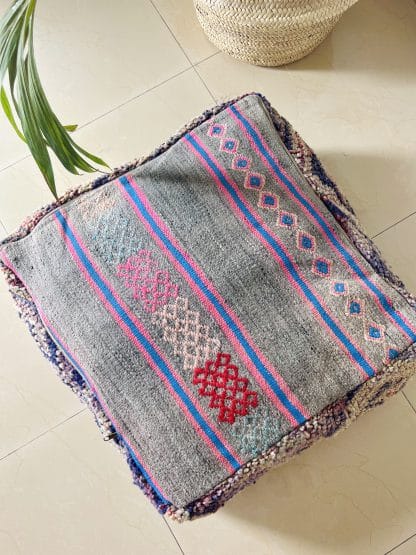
(7, 263)
(307, 214)
(407, 322)
(290, 395)
(90, 383)
(146, 355)
(272, 252)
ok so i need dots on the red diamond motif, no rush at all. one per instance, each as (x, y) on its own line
(229, 392)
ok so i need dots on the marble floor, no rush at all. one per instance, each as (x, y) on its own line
(130, 76)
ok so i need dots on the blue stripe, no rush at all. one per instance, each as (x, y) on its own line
(334, 240)
(214, 301)
(143, 471)
(284, 258)
(157, 359)
(133, 456)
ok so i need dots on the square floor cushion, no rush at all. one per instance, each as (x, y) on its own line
(215, 304)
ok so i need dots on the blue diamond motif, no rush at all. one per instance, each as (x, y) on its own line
(322, 266)
(306, 242)
(355, 308)
(255, 181)
(287, 220)
(339, 287)
(268, 201)
(374, 332)
(393, 353)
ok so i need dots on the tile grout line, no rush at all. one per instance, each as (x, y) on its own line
(408, 400)
(132, 99)
(183, 50)
(15, 162)
(139, 95)
(208, 58)
(171, 32)
(205, 85)
(174, 537)
(393, 225)
(42, 434)
(109, 111)
(400, 544)
(3, 227)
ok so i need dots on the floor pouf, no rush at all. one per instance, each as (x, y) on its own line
(269, 32)
(215, 304)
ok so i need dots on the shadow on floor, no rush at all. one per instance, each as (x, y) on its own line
(373, 36)
(340, 491)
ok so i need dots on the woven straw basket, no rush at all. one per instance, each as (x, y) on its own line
(269, 32)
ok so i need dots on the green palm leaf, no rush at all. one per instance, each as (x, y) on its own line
(25, 104)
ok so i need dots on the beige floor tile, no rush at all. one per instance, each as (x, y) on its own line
(12, 148)
(3, 231)
(353, 101)
(397, 247)
(145, 123)
(71, 493)
(22, 191)
(407, 548)
(352, 495)
(32, 397)
(93, 55)
(129, 132)
(410, 392)
(182, 20)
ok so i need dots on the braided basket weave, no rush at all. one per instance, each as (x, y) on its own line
(269, 32)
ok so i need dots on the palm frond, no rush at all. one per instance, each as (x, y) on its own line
(25, 104)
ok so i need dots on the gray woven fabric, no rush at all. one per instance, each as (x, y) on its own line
(219, 251)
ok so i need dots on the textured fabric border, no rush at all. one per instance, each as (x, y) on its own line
(333, 418)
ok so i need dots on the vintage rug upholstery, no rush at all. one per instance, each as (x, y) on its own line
(215, 304)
